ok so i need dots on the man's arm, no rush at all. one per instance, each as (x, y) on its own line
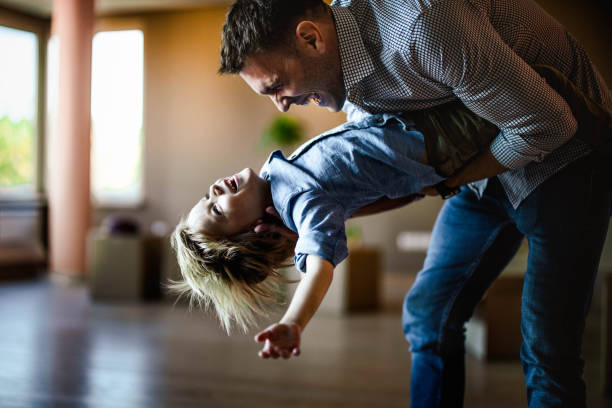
(283, 339)
(495, 83)
(381, 205)
(594, 127)
(386, 204)
(484, 165)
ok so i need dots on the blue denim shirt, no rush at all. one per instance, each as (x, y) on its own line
(317, 188)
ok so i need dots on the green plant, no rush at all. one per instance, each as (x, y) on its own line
(284, 131)
(354, 234)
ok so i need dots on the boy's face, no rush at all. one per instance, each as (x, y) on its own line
(294, 79)
(232, 205)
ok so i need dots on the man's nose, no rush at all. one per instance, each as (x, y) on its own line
(282, 103)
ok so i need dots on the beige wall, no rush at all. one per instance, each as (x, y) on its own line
(200, 126)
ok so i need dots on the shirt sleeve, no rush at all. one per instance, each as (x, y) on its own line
(320, 225)
(455, 44)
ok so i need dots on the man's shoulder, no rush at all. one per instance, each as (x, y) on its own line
(383, 7)
(387, 23)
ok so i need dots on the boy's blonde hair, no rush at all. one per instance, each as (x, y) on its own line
(236, 275)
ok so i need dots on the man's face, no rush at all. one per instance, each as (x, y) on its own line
(232, 205)
(295, 79)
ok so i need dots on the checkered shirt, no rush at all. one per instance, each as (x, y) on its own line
(415, 54)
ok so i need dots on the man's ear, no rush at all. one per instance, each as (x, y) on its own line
(310, 36)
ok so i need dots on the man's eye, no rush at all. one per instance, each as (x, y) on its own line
(216, 209)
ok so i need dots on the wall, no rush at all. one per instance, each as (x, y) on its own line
(200, 126)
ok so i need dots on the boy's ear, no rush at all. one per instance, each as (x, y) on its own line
(310, 36)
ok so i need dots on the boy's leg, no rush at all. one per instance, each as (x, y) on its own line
(594, 119)
(565, 221)
(471, 243)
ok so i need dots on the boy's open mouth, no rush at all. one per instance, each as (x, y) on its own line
(234, 183)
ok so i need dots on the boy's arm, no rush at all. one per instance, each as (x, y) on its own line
(283, 339)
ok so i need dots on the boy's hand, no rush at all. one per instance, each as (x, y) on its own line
(281, 340)
(280, 229)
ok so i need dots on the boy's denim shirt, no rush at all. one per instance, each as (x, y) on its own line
(317, 188)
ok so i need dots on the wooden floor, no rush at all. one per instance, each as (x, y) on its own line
(60, 349)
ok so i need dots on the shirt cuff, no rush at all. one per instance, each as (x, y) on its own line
(507, 156)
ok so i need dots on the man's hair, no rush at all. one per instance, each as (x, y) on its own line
(262, 25)
(237, 276)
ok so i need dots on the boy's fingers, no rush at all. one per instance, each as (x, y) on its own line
(273, 228)
(261, 228)
(272, 211)
(262, 336)
(266, 351)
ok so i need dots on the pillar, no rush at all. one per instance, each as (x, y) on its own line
(69, 148)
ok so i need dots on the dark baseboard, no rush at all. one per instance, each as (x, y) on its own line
(11, 273)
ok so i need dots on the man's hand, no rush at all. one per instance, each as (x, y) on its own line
(279, 228)
(281, 340)
(483, 166)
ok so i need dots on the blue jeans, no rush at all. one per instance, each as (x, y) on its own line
(565, 221)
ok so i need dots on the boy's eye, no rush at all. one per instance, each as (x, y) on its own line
(216, 209)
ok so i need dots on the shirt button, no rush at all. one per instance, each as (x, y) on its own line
(379, 120)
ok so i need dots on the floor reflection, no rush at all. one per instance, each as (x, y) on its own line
(60, 349)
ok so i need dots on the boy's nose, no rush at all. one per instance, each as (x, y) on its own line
(215, 190)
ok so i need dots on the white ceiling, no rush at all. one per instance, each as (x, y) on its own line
(43, 7)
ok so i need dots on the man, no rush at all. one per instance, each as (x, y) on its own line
(536, 181)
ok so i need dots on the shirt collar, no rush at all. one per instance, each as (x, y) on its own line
(355, 61)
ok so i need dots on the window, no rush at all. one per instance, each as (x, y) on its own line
(116, 112)
(18, 111)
